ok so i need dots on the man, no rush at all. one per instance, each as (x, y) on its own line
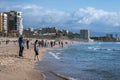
(27, 44)
(21, 46)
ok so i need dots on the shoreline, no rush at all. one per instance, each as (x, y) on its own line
(48, 73)
(13, 67)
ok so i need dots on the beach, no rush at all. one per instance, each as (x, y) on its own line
(13, 67)
(73, 61)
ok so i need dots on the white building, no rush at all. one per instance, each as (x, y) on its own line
(5, 24)
(19, 23)
(31, 29)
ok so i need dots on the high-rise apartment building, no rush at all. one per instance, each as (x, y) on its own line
(11, 23)
(15, 26)
(5, 24)
(84, 34)
(19, 23)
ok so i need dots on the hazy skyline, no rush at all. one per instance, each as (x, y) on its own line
(95, 15)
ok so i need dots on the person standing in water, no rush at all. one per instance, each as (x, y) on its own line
(36, 49)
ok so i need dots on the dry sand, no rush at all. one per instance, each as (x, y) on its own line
(12, 67)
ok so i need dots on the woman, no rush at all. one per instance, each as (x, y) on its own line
(36, 49)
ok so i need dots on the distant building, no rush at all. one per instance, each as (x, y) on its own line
(109, 35)
(1, 22)
(48, 30)
(15, 27)
(12, 23)
(19, 23)
(5, 25)
(84, 35)
(31, 29)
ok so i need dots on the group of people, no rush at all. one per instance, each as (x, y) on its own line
(37, 44)
(22, 44)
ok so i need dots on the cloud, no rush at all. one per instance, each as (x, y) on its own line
(31, 7)
(86, 16)
(91, 15)
(37, 14)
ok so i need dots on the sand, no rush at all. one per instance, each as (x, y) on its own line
(12, 67)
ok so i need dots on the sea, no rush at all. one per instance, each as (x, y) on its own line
(82, 61)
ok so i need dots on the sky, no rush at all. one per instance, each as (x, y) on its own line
(73, 15)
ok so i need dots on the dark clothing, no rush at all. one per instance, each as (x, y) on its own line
(36, 48)
(62, 44)
(21, 51)
(51, 43)
(21, 46)
(36, 52)
(27, 43)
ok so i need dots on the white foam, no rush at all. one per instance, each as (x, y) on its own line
(55, 55)
(90, 47)
(70, 78)
(93, 48)
(109, 49)
(98, 48)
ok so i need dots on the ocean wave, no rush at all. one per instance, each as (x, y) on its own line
(60, 49)
(100, 49)
(101, 72)
(55, 55)
(117, 43)
(93, 48)
(63, 76)
(116, 50)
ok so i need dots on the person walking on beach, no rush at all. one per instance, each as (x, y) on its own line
(36, 49)
(51, 43)
(27, 44)
(42, 43)
(21, 46)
